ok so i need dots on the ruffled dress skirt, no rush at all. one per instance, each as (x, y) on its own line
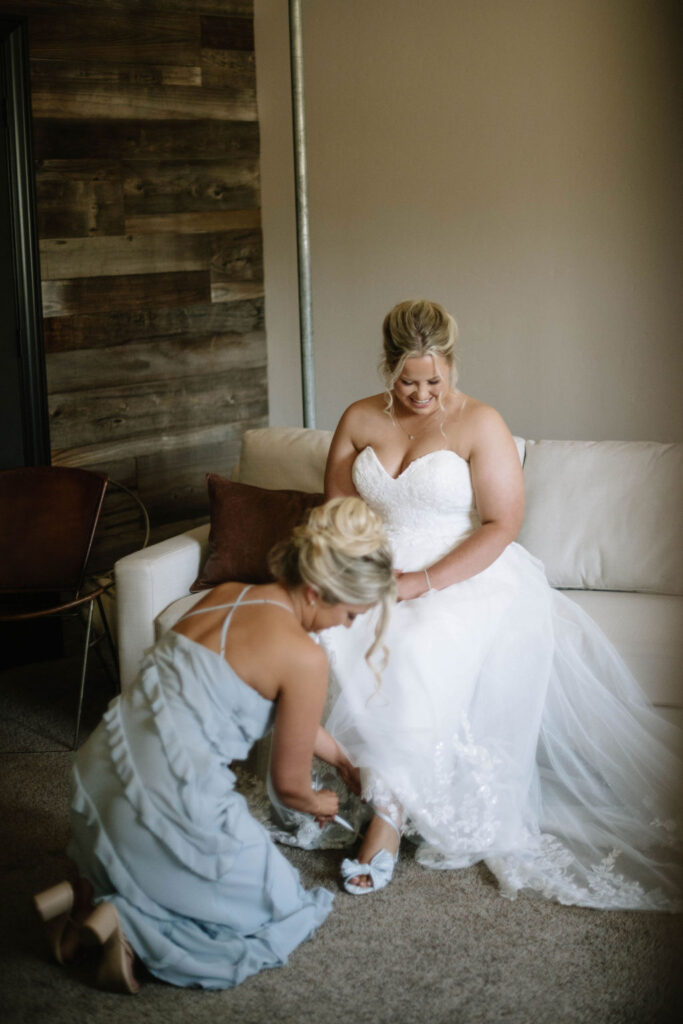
(204, 896)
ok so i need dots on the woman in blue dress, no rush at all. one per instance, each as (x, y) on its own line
(172, 866)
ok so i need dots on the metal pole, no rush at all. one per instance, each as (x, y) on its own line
(301, 196)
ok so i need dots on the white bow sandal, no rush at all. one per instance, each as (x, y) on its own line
(380, 870)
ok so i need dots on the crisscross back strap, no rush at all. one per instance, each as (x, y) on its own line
(233, 605)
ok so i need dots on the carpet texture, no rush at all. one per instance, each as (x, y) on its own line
(439, 947)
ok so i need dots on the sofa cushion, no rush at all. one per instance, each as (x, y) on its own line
(606, 515)
(284, 457)
(647, 630)
(246, 522)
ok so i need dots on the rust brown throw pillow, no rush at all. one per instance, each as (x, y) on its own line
(246, 522)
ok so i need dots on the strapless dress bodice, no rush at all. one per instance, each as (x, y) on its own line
(428, 508)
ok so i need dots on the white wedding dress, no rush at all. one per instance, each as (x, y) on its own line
(506, 728)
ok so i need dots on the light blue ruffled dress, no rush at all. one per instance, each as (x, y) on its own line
(204, 896)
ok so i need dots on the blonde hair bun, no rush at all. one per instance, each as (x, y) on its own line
(341, 550)
(348, 524)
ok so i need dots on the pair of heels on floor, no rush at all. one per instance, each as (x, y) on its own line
(101, 927)
(380, 869)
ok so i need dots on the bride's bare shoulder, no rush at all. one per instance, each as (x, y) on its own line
(364, 411)
(477, 413)
(480, 423)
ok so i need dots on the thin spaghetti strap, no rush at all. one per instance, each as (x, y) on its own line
(210, 608)
(232, 605)
(240, 603)
(228, 619)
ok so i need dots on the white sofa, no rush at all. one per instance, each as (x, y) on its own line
(604, 517)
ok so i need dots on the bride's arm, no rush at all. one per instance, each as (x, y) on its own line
(499, 495)
(340, 459)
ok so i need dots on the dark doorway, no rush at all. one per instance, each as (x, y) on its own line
(24, 433)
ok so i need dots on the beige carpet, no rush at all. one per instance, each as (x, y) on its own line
(441, 947)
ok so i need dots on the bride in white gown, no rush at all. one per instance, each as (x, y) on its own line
(506, 728)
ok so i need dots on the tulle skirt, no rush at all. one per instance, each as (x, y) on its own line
(507, 729)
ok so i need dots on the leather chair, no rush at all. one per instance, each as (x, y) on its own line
(48, 519)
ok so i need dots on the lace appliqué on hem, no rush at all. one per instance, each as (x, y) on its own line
(549, 867)
(451, 830)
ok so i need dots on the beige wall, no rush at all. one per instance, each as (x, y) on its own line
(516, 160)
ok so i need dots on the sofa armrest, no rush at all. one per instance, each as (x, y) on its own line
(146, 582)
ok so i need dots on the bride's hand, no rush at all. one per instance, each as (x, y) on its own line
(410, 585)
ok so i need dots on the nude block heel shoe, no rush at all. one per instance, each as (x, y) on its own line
(54, 907)
(103, 928)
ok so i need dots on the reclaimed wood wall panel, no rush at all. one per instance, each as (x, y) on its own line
(94, 294)
(100, 32)
(96, 330)
(134, 139)
(119, 411)
(157, 359)
(146, 145)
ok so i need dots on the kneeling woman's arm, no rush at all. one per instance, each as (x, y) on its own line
(300, 703)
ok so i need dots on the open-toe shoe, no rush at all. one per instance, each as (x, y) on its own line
(115, 972)
(380, 870)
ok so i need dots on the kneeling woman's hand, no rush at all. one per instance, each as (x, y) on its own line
(328, 806)
(350, 776)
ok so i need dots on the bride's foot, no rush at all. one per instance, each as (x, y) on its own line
(374, 865)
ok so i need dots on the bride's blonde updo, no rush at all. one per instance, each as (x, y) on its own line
(412, 329)
(341, 550)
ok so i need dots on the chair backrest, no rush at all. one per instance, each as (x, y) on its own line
(48, 518)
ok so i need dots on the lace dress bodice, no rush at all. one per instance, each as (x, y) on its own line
(427, 509)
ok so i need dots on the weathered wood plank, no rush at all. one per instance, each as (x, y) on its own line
(129, 139)
(238, 253)
(113, 449)
(79, 197)
(84, 418)
(63, 258)
(108, 101)
(222, 7)
(230, 33)
(174, 186)
(224, 288)
(48, 73)
(109, 294)
(193, 223)
(156, 360)
(97, 34)
(220, 67)
(97, 330)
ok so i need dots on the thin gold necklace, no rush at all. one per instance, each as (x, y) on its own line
(413, 437)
